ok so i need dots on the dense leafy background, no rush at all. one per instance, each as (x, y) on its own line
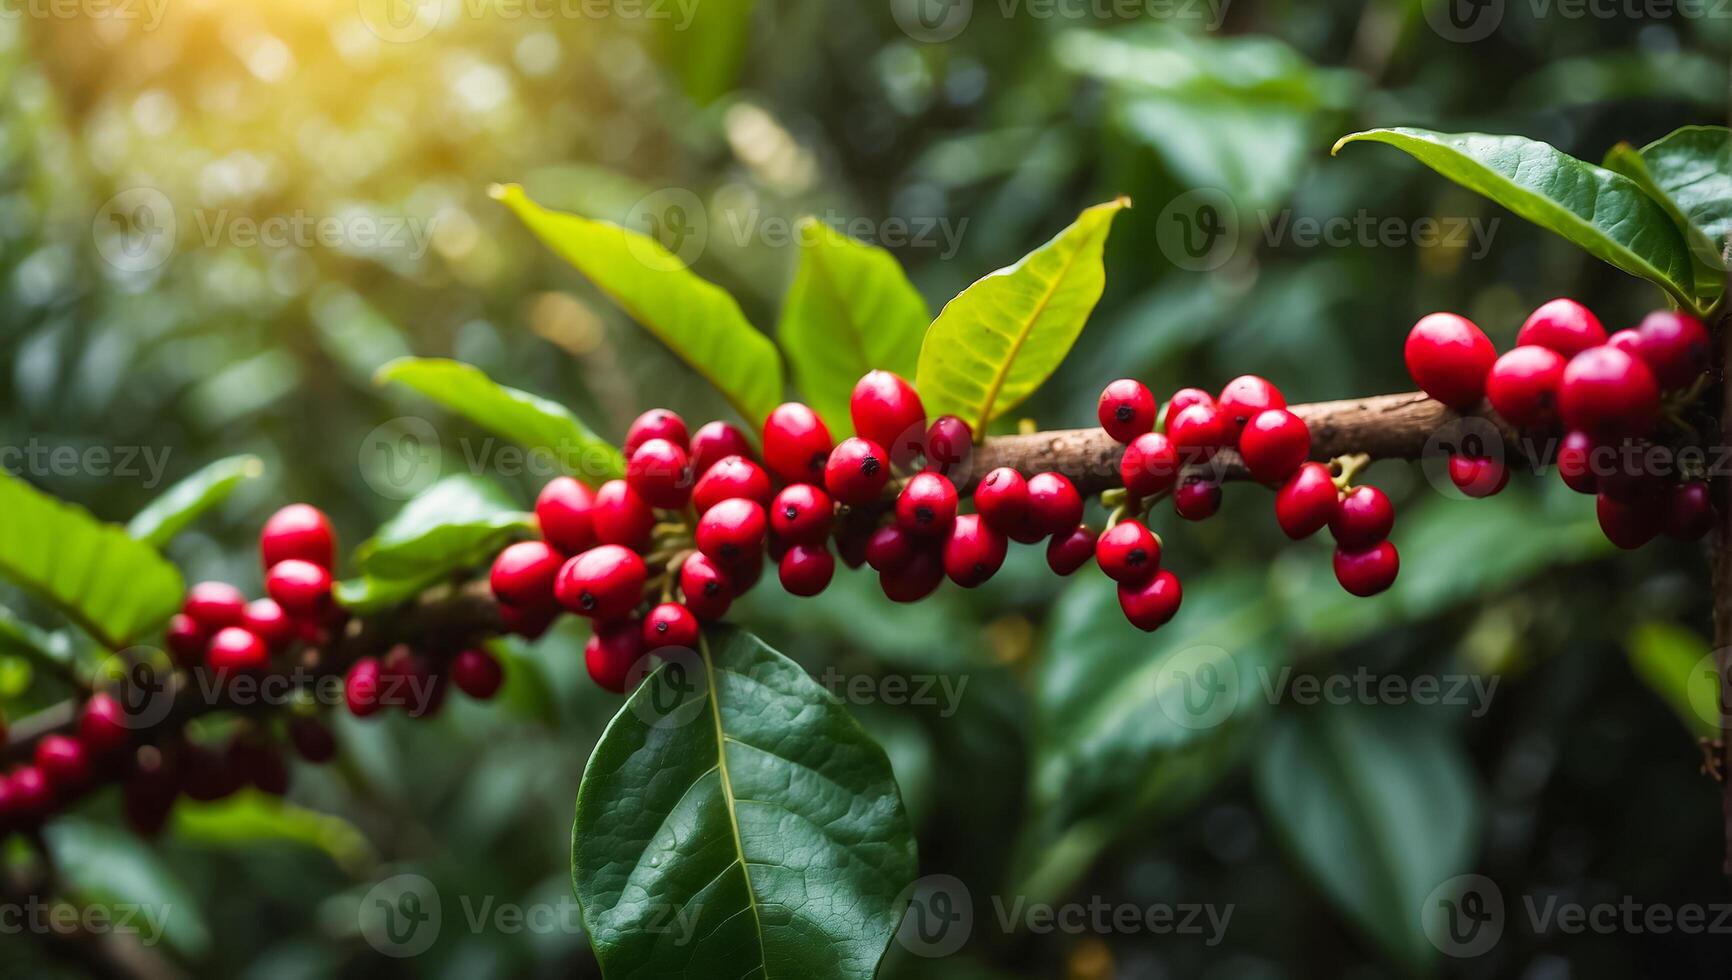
(1583, 777)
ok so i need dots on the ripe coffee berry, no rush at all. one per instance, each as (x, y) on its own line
(1151, 604)
(1274, 444)
(1127, 409)
(1630, 342)
(1054, 506)
(1575, 463)
(361, 687)
(186, 639)
(714, 442)
(236, 649)
(1675, 345)
(1066, 553)
(889, 548)
(32, 796)
(732, 476)
(927, 505)
(1364, 517)
(1001, 499)
(857, 471)
(214, 605)
(477, 673)
(610, 654)
(562, 509)
(949, 444)
(1128, 552)
(621, 516)
(1523, 386)
(851, 541)
(523, 574)
(605, 582)
(886, 410)
(1197, 499)
(1563, 326)
(1689, 511)
(64, 763)
(806, 569)
(1477, 476)
(268, 619)
(660, 473)
(732, 531)
(796, 443)
(1368, 571)
(1606, 392)
(1448, 357)
(302, 588)
(102, 726)
(802, 514)
(1186, 397)
(312, 740)
(1307, 501)
(1150, 465)
(1246, 397)
(298, 531)
(670, 625)
(1198, 432)
(974, 551)
(915, 580)
(1627, 525)
(706, 588)
(657, 423)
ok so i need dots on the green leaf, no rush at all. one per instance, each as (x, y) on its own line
(850, 310)
(105, 866)
(1379, 808)
(250, 818)
(116, 588)
(41, 649)
(697, 319)
(1677, 665)
(366, 594)
(735, 821)
(994, 344)
(444, 528)
(1689, 173)
(1605, 213)
(181, 504)
(537, 423)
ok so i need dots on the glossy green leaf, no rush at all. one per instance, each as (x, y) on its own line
(537, 423)
(697, 319)
(734, 821)
(1689, 172)
(1675, 663)
(181, 504)
(994, 344)
(115, 587)
(366, 594)
(49, 652)
(1379, 808)
(444, 527)
(108, 868)
(1605, 213)
(850, 310)
(251, 818)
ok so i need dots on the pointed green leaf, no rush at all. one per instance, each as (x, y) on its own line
(534, 422)
(443, 528)
(994, 344)
(734, 821)
(105, 866)
(1605, 213)
(50, 652)
(1675, 663)
(850, 310)
(1689, 172)
(181, 504)
(248, 819)
(696, 318)
(116, 588)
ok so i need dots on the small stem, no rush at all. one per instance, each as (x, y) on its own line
(1348, 468)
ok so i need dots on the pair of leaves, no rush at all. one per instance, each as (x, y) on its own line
(450, 526)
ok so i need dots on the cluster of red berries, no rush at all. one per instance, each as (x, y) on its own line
(1614, 400)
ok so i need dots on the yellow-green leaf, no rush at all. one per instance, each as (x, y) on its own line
(181, 504)
(1675, 663)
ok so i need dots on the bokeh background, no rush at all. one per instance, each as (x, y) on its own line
(960, 136)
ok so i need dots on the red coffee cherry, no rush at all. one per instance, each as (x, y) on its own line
(1575, 463)
(889, 549)
(706, 588)
(1630, 342)
(605, 582)
(1186, 397)
(1676, 347)
(302, 588)
(1606, 392)
(361, 686)
(1523, 386)
(410, 680)
(851, 540)
(657, 423)
(1274, 444)
(237, 649)
(1150, 465)
(670, 625)
(272, 623)
(857, 471)
(1364, 517)
(206, 775)
(1151, 604)
(298, 531)
(523, 574)
(477, 673)
(1563, 326)
(64, 763)
(1449, 357)
(1628, 526)
(949, 444)
(661, 474)
(186, 639)
(611, 652)
(974, 551)
(1197, 499)
(562, 509)
(1626, 475)
(714, 442)
(1128, 552)
(796, 443)
(312, 740)
(1054, 506)
(1689, 511)
(887, 410)
(1307, 501)
(102, 726)
(732, 531)
(213, 605)
(806, 569)
(1477, 476)
(1127, 409)
(1001, 499)
(732, 476)
(915, 580)
(802, 514)
(927, 505)
(1198, 432)
(621, 516)
(1368, 571)
(1066, 553)
(31, 796)
(260, 763)
(1246, 397)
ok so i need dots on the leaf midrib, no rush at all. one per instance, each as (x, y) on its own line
(1003, 373)
(727, 782)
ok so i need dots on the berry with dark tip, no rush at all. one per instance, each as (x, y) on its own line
(802, 514)
(605, 582)
(1246, 397)
(796, 443)
(974, 551)
(1128, 552)
(706, 588)
(927, 505)
(670, 625)
(857, 471)
(1364, 517)
(732, 532)
(1127, 409)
